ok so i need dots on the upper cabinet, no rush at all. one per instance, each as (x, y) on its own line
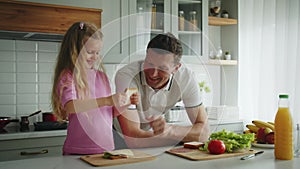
(183, 18)
(29, 18)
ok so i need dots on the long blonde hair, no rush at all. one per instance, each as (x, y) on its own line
(68, 61)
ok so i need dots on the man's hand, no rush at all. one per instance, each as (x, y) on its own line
(158, 124)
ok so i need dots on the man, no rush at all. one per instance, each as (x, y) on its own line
(162, 81)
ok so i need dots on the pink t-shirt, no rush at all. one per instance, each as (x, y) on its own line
(88, 132)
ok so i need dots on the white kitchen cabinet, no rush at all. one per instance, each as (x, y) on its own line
(146, 23)
(16, 149)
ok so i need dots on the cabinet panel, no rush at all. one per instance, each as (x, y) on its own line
(31, 153)
(116, 31)
(31, 148)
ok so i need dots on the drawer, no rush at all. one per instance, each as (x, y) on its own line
(39, 152)
(31, 143)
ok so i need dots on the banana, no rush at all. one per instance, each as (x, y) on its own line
(261, 124)
(247, 131)
(271, 123)
(253, 128)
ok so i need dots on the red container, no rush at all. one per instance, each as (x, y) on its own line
(49, 117)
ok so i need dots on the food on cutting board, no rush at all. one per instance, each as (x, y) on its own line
(193, 144)
(233, 141)
(118, 154)
(216, 147)
(264, 131)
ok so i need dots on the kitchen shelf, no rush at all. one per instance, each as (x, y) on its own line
(216, 21)
(222, 62)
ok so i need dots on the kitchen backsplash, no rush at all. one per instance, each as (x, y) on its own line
(26, 70)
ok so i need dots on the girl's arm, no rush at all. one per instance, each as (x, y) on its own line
(118, 100)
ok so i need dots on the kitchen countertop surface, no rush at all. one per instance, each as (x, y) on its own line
(14, 132)
(163, 160)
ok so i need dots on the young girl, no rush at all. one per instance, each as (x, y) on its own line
(82, 94)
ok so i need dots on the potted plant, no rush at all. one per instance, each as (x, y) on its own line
(203, 87)
(227, 55)
(204, 90)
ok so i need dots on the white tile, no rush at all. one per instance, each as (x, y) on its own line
(26, 45)
(7, 99)
(25, 56)
(45, 87)
(7, 45)
(7, 78)
(45, 98)
(27, 99)
(47, 56)
(26, 77)
(7, 56)
(8, 88)
(25, 110)
(45, 107)
(8, 110)
(7, 67)
(45, 77)
(46, 67)
(48, 46)
(26, 67)
(26, 88)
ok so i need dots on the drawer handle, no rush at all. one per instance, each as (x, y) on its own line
(24, 153)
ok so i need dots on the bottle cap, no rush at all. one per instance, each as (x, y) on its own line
(284, 96)
(193, 12)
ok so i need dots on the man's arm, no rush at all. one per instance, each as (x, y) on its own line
(200, 127)
(168, 134)
(138, 138)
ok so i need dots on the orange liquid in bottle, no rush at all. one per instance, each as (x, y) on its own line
(283, 134)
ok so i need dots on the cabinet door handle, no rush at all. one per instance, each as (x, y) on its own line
(24, 153)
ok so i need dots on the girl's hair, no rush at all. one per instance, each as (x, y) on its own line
(68, 61)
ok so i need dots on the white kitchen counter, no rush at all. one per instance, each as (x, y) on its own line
(163, 160)
(14, 133)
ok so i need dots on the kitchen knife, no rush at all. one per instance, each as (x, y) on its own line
(251, 155)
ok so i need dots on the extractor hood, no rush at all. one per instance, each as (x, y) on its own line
(21, 20)
(35, 36)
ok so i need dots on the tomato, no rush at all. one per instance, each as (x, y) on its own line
(216, 147)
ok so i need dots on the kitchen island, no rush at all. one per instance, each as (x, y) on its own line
(163, 160)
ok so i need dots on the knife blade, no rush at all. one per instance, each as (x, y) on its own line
(251, 155)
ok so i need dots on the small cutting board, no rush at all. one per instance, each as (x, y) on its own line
(196, 154)
(98, 160)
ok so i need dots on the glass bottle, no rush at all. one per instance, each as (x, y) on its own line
(181, 21)
(283, 130)
(297, 141)
(193, 21)
(153, 19)
(140, 18)
(219, 53)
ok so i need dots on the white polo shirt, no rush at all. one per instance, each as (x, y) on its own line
(182, 86)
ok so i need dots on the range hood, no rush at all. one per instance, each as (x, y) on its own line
(21, 20)
(33, 36)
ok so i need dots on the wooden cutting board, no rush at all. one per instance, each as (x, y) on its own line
(195, 154)
(98, 160)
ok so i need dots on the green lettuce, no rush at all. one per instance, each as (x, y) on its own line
(232, 141)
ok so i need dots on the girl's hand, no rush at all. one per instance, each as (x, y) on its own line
(134, 98)
(119, 100)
